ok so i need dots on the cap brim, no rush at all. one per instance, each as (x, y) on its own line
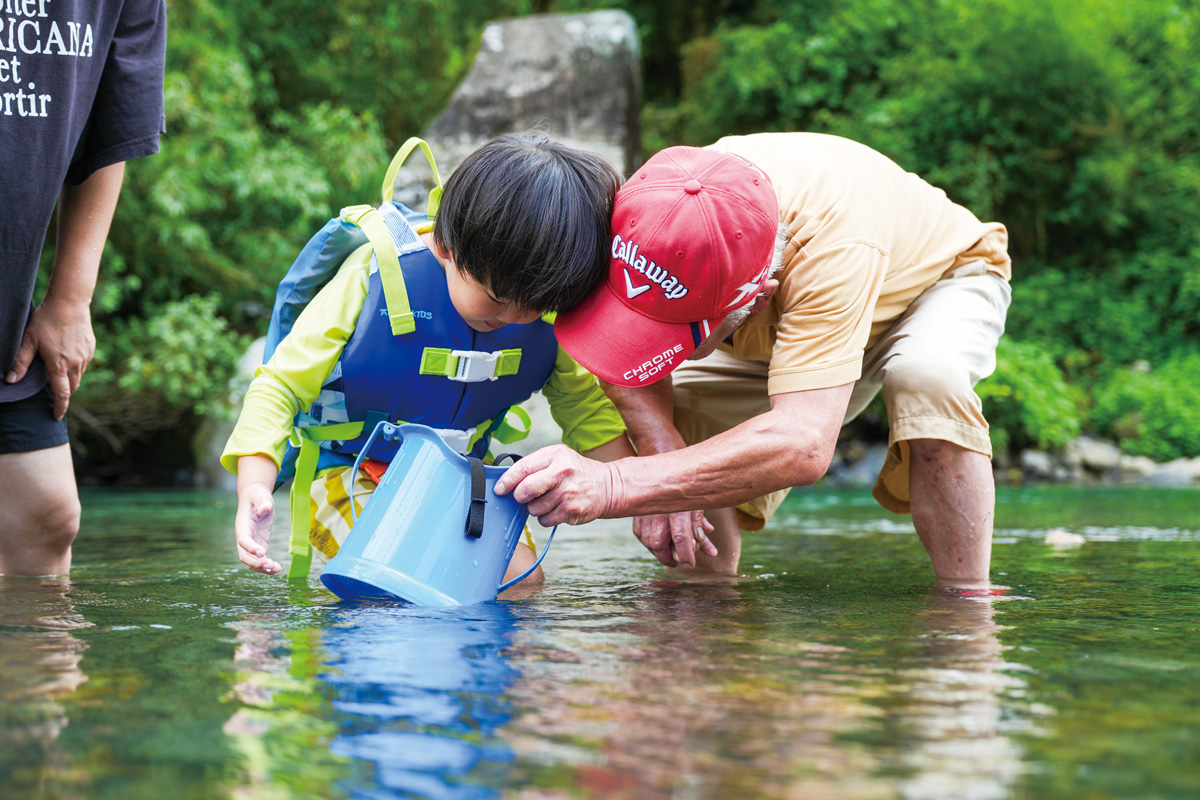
(621, 346)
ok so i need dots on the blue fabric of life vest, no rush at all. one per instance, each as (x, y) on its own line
(379, 374)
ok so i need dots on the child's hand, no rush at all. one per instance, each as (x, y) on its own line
(252, 527)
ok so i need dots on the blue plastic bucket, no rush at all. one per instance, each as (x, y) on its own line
(413, 541)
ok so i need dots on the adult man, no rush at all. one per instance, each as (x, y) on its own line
(882, 283)
(81, 92)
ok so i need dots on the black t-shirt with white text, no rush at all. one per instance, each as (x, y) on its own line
(81, 88)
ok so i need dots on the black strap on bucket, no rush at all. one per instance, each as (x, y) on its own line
(474, 527)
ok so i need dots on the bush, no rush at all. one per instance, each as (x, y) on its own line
(1153, 412)
(151, 373)
(1027, 402)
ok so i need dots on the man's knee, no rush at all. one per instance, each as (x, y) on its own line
(924, 380)
(55, 521)
(918, 389)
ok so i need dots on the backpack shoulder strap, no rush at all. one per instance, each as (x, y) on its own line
(371, 221)
(389, 178)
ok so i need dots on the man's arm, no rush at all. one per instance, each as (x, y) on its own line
(791, 445)
(648, 412)
(60, 328)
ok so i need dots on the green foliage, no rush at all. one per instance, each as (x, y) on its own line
(152, 371)
(1153, 412)
(1027, 401)
(231, 198)
(398, 60)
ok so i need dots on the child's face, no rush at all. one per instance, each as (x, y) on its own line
(479, 309)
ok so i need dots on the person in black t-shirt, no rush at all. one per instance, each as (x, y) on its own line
(81, 93)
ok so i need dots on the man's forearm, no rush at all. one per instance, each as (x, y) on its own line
(85, 213)
(790, 445)
(753, 459)
(648, 412)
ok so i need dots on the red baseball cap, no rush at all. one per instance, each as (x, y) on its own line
(693, 235)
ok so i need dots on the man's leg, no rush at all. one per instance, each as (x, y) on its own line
(953, 499)
(39, 511)
(939, 456)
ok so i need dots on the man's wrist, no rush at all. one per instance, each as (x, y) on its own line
(618, 497)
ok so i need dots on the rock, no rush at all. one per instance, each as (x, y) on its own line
(863, 470)
(1058, 538)
(1095, 455)
(214, 431)
(1195, 465)
(1173, 473)
(1135, 469)
(1038, 465)
(576, 76)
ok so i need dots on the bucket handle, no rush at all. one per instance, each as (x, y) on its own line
(389, 432)
(528, 572)
(509, 584)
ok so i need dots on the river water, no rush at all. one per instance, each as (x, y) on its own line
(831, 669)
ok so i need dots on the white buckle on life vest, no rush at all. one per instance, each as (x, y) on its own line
(475, 366)
(459, 441)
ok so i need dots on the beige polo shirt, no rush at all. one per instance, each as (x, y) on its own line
(866, 238)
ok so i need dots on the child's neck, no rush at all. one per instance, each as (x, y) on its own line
(428, 239)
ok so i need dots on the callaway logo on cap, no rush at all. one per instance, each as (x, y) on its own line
(693, 234)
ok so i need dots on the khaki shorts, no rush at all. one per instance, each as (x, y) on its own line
(926, 364)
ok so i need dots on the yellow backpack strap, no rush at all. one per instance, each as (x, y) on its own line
(306, 471)
(507, 433)
(394, 291)
(389, 178)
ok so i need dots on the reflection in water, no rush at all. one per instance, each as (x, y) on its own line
(423, 691)
(39, 662)
(948, 709)
(410, 698)
(718, 691)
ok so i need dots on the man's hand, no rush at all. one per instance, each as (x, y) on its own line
(558, 485)
(252, 528)
(674, 538)
(62, 334)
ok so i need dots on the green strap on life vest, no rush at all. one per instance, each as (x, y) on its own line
(389, 178)
(395, 293)
(442, 361)
(506, 432)
(306, 470)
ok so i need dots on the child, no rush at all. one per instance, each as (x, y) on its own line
(522, 230)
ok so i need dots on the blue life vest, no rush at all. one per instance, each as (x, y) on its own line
(444, 374)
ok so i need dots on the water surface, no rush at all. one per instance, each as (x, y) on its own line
(831, 669)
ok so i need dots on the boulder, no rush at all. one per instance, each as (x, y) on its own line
(1095, 455)
(1173, 473)
(574, 76)
(1038, 466)
(861, 466)
(1135, 469)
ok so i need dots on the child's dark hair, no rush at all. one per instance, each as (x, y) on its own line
(530, 219)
